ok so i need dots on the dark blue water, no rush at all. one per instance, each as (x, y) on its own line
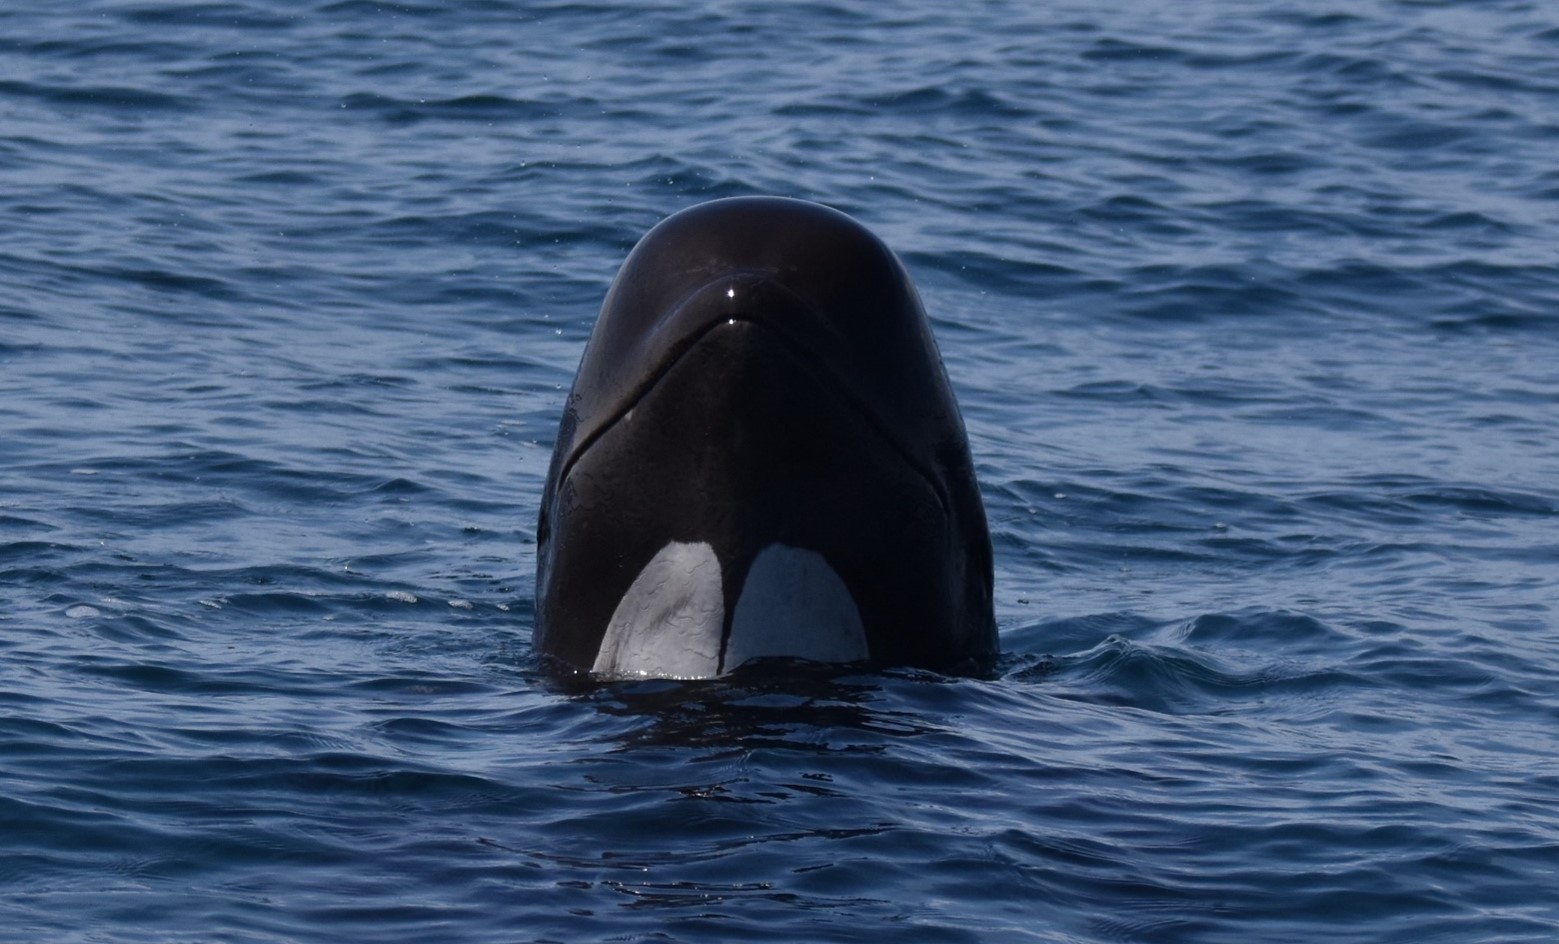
(1253, 310)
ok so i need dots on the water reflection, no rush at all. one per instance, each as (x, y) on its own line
(773, 704)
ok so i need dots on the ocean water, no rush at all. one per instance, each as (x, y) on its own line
(1253, 313)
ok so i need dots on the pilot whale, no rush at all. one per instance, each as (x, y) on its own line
(761, 457)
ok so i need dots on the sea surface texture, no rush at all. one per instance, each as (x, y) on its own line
(1253, 312)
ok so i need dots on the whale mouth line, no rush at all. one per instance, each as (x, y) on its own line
(823, 378)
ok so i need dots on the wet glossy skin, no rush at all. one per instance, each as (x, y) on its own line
(761, 374)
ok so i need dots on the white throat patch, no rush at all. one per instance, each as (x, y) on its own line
(794, 604)
(668, 624)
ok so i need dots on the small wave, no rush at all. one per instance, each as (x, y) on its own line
(110, 97)
(166, 280)
(482, 108)
(1287, 634)
(219, 15)
(1168, 680)
(1110, 49)
(379, 8)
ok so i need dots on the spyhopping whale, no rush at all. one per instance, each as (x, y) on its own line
(761, 457)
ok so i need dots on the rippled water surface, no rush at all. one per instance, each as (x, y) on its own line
(1253, 311)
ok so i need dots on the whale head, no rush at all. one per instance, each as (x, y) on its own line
(761, 457)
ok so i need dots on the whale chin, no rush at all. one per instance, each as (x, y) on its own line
(671, 622)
